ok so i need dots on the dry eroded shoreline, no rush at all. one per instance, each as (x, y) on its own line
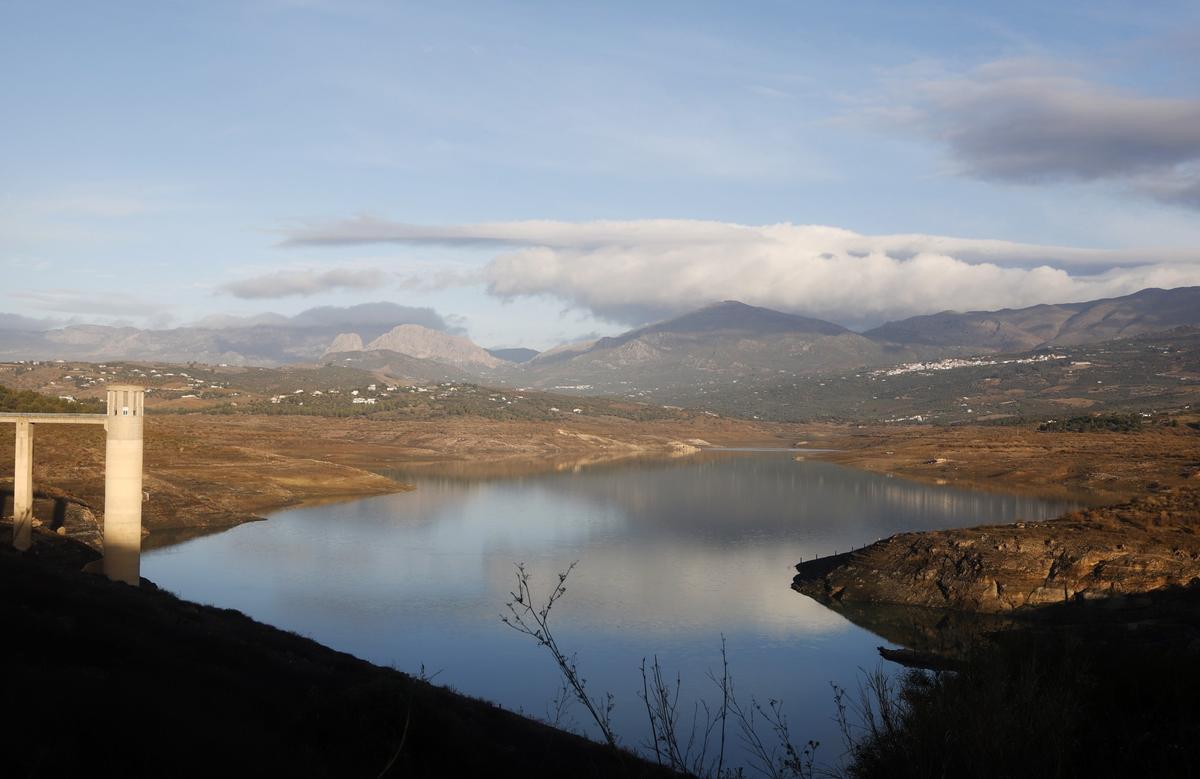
(208, 472)
(1117, 547)
(205, 472)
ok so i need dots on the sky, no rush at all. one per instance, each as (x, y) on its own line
(543, 172)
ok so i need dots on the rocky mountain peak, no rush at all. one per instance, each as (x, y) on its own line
(346, 342)
(418, 341)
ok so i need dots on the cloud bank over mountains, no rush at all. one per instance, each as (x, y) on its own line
(305, 282)
(1012, 121)
(636, 271)
(370, 318)
(28, 324)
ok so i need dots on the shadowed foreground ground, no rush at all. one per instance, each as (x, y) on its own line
(107, 679)
(1104, 688)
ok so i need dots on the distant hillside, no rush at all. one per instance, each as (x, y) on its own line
(562, 352)
(1148, 311)
(716, 344)
(377, 384)
(516, 355)
(1149, 374)
(397, 365)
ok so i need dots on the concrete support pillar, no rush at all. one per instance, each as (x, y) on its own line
(123, 484)
(23, 487)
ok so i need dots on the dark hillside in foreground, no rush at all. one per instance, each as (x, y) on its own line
(1065, 648)
(1101, 689)
(104, 679)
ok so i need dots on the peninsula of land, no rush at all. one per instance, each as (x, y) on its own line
(1139, 532)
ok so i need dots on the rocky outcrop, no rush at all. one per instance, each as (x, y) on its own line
(58, 512)
(345, 342)
(1147, 544)
(417, 341)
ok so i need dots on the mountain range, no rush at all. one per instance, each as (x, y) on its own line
(1011, 330)
(729, 341)
(265, 339)
(717, 344)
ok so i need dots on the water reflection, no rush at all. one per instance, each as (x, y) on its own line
(739, 499)
(673, 554)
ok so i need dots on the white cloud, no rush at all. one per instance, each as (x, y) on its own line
(636, 270)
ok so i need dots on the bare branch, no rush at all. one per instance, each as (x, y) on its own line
(534, 621)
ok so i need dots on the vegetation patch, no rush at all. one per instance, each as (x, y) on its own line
(1107, 423)
(30, 402)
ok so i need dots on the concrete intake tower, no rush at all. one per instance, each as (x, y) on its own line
(123, 425)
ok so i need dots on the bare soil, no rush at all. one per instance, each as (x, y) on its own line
(1102, 467)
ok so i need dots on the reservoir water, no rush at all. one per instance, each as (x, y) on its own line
(672, 555)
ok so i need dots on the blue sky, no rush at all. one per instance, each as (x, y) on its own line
(166, 161)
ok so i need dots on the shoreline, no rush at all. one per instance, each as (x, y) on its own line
(197, 481)
(206, 473)
(1110, 467)
(1144, 545)
(1136, 534)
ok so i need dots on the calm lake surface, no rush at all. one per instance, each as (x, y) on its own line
(672, 555)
